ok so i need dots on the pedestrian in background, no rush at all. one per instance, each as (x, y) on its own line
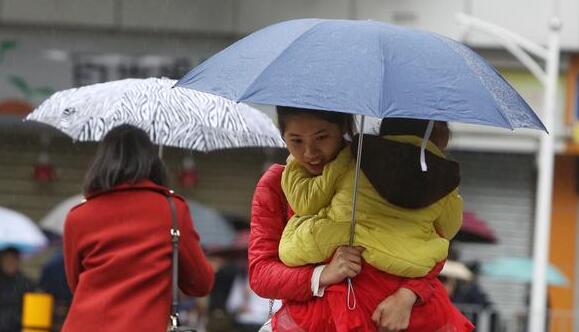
(117, 244)
(13, 285)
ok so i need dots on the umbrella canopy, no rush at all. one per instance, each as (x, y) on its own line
(213, 228)
(236, 249)
(363, 67)
(520, 269)
(475, 230)
(456, 270)
(20, 232)
(53, 221)
(172, 116)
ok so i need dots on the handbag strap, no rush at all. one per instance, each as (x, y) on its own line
(175, 264)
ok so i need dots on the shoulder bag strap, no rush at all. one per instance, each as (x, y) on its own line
(175, 264)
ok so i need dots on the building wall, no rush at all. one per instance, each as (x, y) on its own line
(563, 249)
(500, 189)
(234, 172)
(238, 17)
(58, 59)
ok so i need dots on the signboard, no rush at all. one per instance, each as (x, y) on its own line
(33, 65)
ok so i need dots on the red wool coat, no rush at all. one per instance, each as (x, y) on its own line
(117, 250)
(270, 278)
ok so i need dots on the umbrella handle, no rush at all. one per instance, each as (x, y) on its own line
(160, 151)
(351, 296)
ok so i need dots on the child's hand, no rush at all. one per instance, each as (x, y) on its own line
(346, 263)
(393, 314)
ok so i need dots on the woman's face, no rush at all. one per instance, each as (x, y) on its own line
(313, 142)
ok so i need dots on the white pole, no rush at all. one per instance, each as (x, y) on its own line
(537, 314)
(514, 43)
(517, 45)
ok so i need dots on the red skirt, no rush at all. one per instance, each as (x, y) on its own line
(330, 313)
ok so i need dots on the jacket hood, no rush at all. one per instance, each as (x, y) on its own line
(393, 169)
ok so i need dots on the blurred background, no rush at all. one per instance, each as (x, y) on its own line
(50, 45)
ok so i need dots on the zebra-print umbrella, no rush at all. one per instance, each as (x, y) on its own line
(176, 117)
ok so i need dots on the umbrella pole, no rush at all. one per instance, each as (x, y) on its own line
(160, 151)
(356, 178)
(351, 295)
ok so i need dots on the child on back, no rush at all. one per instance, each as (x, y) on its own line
(405, 218)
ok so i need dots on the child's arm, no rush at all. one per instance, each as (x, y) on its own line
(310, 240)
(308, 194)
(297, 246)
(449, 222)
(423, 286)
(395, 310)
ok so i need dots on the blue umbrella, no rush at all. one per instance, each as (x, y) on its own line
(520, 269)
(367, 68)
(363, 67)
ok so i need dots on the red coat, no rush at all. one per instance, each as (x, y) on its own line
(270, 278)
(117, 251)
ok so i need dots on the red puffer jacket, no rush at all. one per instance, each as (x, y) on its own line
(270, 278)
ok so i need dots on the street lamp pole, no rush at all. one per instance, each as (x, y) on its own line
(537, 314)
(520, 48)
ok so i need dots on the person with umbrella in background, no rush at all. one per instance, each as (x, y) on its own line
(470, 295)
(13, 285)
(18, 235)
(118, 244)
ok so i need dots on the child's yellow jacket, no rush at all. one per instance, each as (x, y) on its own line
(400, 241)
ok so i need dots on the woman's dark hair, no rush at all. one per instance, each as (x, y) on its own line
(125, 155)
(343, 120)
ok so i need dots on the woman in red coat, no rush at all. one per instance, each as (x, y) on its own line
(314, 138)
(117, 244)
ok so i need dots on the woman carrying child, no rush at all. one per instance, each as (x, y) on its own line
(312, 292)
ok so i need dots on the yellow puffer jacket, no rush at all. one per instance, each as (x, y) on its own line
(399, 241)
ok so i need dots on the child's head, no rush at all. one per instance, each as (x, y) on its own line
(417, 127)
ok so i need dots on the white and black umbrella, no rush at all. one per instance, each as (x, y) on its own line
(172, 116)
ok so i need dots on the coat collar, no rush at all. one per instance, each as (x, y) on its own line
(139, 185)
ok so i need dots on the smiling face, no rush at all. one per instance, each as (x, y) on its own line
(312, 141)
